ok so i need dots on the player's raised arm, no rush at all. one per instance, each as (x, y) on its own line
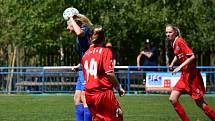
(77, 24)
(77, 29)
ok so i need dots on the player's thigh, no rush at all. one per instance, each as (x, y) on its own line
(77, 96)
(200, 102)
(83, 99)
(174, 96)
(110, 107)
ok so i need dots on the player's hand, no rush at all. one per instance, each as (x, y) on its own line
(142, 52)
(73, 16)
(119, 112)
(74, 69)
(176, 70)
(121, 91)
(171, 68)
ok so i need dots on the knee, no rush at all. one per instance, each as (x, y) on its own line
(174, 96)
(200, 103)
(173, 100)
(76, 100)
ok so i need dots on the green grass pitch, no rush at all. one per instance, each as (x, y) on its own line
(61, 108)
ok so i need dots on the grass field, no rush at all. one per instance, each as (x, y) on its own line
(61, 108)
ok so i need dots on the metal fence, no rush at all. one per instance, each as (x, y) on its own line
(63, 80)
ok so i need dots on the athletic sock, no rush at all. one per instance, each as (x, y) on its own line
(87, 114)
(79, 112)
(180, 110)
(209, 112)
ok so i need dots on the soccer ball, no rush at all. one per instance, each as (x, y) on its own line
(69, 12)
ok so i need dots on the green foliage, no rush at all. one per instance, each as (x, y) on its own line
(28, 21)
(36, 24)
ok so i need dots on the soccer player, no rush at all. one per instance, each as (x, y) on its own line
(100, 79)
(191, 81)
(80, 25)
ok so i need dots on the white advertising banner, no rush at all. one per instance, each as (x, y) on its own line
(164, 81)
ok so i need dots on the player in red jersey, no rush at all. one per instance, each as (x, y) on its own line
(100, 80)
(191, 81)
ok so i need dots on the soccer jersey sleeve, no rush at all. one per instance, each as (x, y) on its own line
(108, 61)
(185, 48)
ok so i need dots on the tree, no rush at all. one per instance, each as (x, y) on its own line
(38, 32)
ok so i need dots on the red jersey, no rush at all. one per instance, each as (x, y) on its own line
(190, 81)
(96, 62)
(183, 51)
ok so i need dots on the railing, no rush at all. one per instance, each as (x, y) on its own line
(63, 80)
(37, 79)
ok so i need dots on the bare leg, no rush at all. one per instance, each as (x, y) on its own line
(77, 97)
(79, 109)
(174, 96)
(83, 99)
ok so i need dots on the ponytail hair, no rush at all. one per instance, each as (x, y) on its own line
(82, 19)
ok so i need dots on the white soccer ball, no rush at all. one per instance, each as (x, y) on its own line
(69, 12)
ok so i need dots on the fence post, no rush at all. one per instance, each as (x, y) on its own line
(128, 81)
(43, 78)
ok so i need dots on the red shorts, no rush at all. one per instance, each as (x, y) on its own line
(103, 106)
(191, 83)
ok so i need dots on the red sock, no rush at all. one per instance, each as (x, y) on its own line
(209, 112)
(180, 110)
